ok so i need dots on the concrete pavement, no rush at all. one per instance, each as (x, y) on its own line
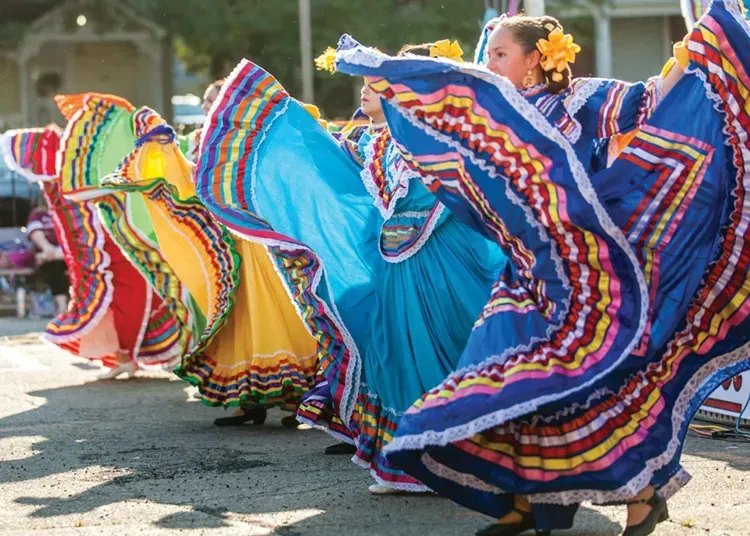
(81, 457)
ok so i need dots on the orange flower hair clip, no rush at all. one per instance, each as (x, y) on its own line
(558, 51)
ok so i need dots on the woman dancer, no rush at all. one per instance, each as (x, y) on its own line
(113, 315)
(251, 350)
(617, 315)
(414, 312)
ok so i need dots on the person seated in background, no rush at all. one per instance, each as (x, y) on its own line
(49, 255)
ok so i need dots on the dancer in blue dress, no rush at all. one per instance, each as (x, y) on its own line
(438, 276)
(403, 279)
(617, 314)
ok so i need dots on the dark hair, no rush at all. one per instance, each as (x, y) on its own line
(412, 49)
(216, 84)
(527, 31)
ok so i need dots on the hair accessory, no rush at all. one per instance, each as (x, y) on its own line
(557, 52)
(549, 27)
(447, 49)
(327, 60)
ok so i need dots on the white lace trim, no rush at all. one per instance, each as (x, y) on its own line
(427, 231)
(412, 214)
(533, 89)
(402, 176)
(370, 57)
(465, 480)
(536, 119)
(574, 102)
(361, 55)
(366, 177)
(677, 482)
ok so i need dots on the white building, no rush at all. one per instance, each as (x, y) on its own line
(629, 39)
(75, 46)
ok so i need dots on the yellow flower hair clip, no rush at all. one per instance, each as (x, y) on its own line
(327, 60)
(557, 52)
(446, 48)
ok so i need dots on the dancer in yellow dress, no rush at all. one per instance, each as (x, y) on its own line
(252, 351)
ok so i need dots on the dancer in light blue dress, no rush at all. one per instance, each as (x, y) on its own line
(383, 275)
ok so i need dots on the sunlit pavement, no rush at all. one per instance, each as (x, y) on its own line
(139, 457)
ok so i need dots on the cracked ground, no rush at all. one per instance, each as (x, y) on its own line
(79, 457)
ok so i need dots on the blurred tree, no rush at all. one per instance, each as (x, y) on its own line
(213, 35)
(11, 33)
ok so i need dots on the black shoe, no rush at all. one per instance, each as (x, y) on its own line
(290, 422)
(528, 522)
(340, 449)
(658, 514)
(257, 415)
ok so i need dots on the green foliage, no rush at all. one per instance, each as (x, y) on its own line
(11, 33)
(213, 35)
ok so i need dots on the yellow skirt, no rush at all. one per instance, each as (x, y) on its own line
(254, 349)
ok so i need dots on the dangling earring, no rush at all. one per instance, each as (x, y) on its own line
(528, 80)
